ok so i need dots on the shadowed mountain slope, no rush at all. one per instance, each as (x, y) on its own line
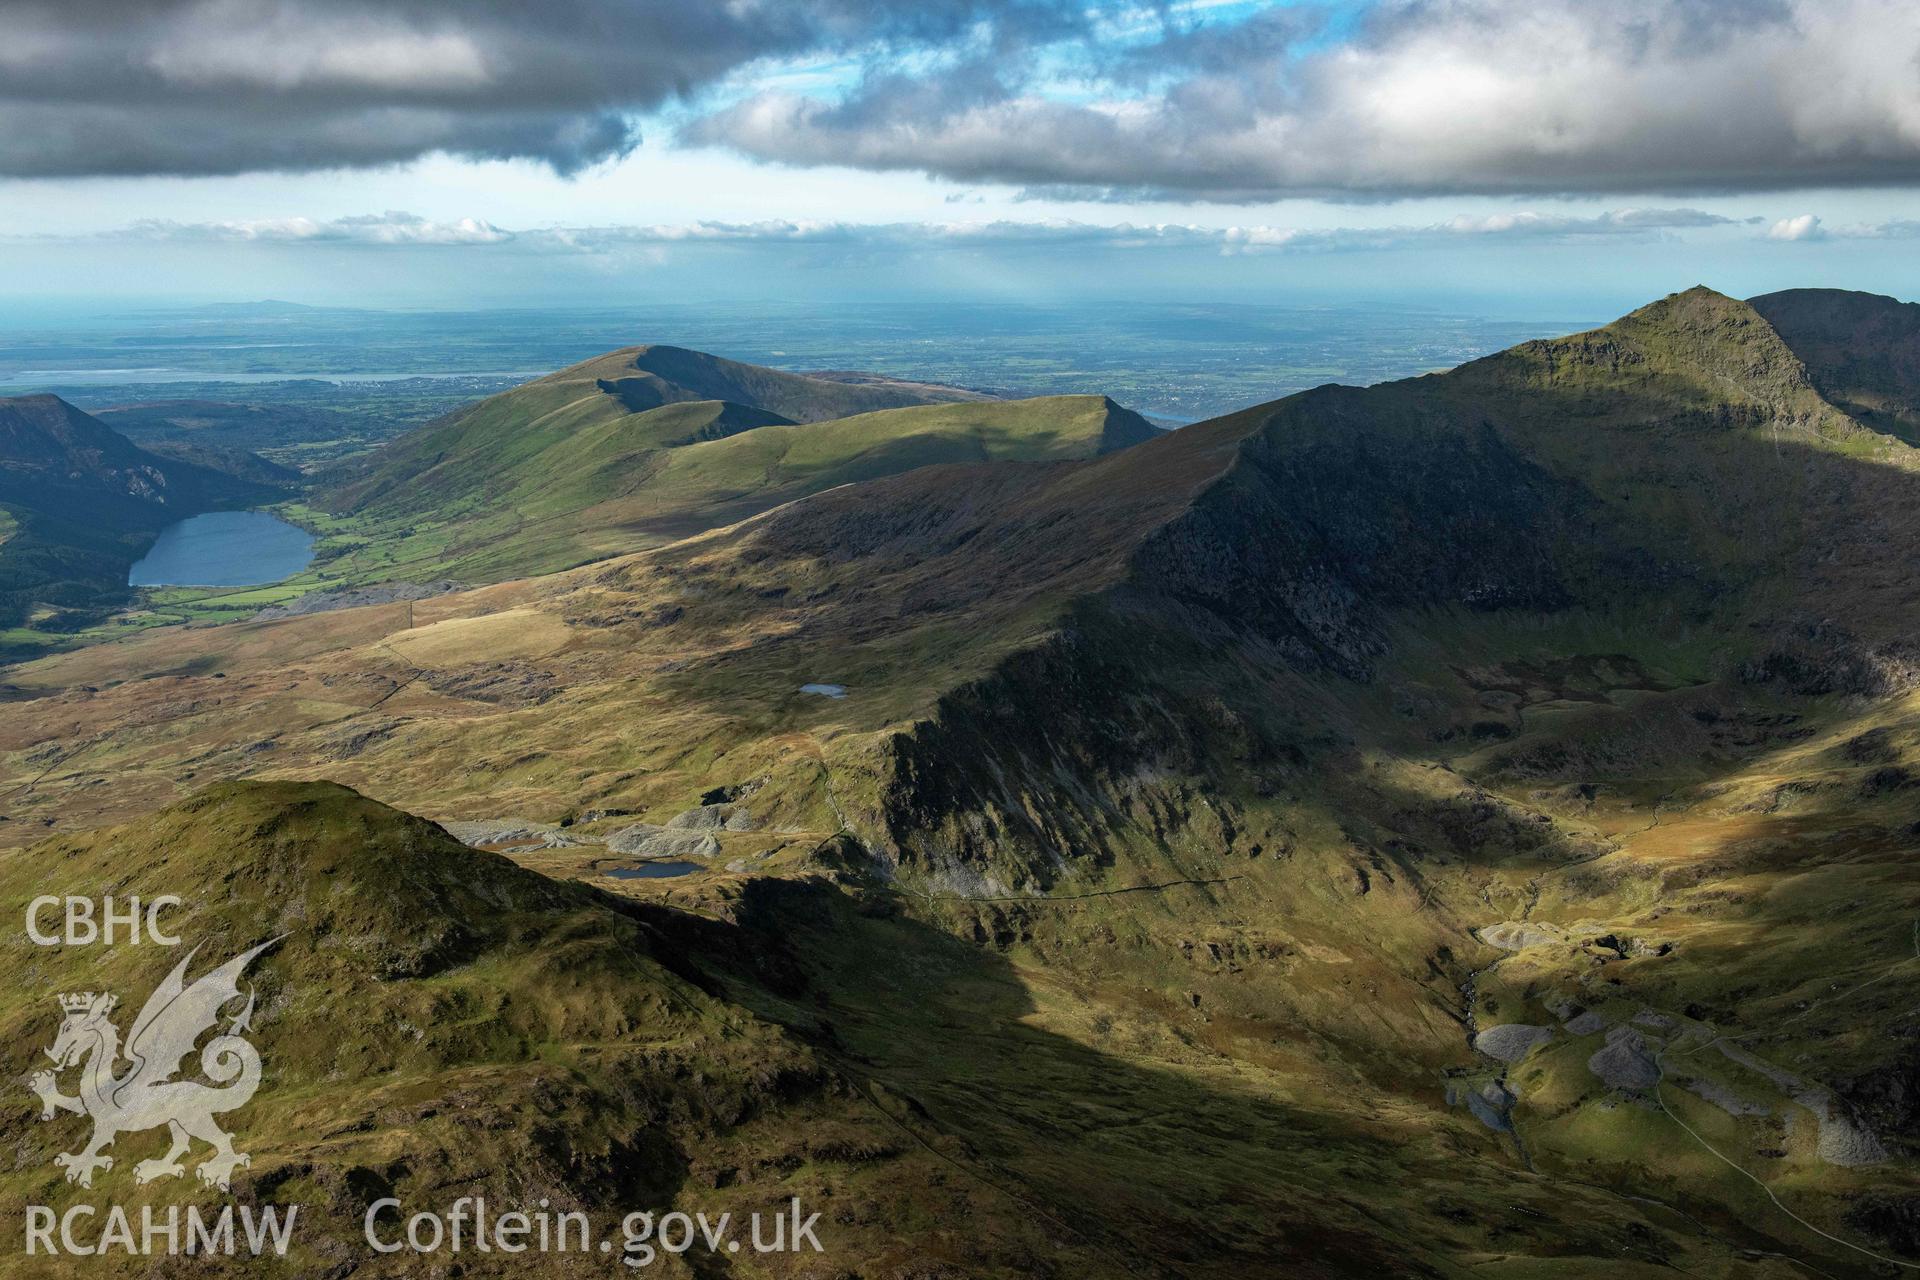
(51, 454)
(1862, 351)
(646, 377)
(1561, 474)
(241, 464)
(81, 503)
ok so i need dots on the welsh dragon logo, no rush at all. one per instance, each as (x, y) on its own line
(146, 1095)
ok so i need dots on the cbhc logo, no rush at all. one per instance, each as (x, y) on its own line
(82, 922)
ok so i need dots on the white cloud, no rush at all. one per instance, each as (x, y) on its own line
(1805, 227)
(1528, 223)
(1808, 227)
(386, 229)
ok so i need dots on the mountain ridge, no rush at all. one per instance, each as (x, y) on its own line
(647, 376)
(615, 453)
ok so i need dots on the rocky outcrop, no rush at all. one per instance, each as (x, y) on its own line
(355, 597)
(643, 840)
(1511, 1042)
(1625, 1062)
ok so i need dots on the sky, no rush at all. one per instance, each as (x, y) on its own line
(1558, 158)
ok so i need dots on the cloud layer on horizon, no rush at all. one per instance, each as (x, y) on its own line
(397, 229)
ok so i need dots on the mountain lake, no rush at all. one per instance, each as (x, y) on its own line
(224, 549)
(654, 870)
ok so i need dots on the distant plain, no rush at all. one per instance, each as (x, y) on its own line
(384, 371)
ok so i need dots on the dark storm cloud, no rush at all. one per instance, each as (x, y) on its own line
(224, 86)
(1097, 100)
(1419, 97)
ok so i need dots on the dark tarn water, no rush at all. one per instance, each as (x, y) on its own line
(654, 870)
(224, 549)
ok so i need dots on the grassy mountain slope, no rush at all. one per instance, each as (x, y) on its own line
(515, 487)
(438, 1022)
(754, 470)
(928, 392)
(1862, 351)
(83, 503)
(520, 436)
(466, 453)
(1194, 812)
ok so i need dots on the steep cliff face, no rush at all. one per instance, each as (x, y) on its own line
(1861, 350)
(1344, 507)
(1669, 473)
(1065, 766)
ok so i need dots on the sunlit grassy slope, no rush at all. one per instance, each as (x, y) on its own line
(467, 452)
(512, 487)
